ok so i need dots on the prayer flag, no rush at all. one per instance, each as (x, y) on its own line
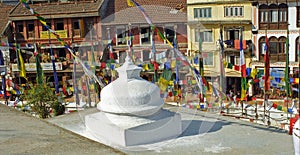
(1, 58)
(163, 83)
(39, 70)
(130, 3)
(287, 68)
(243, 69)
(3, 76)
(267, 64)
(21, 64)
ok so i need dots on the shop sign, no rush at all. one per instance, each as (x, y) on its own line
(32, 66)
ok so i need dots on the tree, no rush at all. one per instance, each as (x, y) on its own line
(42, 98)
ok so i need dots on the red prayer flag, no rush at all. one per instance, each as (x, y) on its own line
(267, 64)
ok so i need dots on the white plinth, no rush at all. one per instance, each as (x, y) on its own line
(296, 137)
(131, 130)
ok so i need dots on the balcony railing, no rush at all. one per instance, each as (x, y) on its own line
(279, 57)
(235, 44)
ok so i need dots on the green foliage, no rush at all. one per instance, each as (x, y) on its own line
(42, 98)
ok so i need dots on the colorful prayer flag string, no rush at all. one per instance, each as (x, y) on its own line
(90, 74)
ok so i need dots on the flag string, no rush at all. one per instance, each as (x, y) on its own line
(42, 20)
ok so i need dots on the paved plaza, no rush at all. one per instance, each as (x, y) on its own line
(204, 133)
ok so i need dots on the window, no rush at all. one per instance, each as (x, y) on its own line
(145, 35)
(76, 28)
(121, 36)
(234, 11)
(233, 59)
(282, 15)
(298, 16)
(170, 33)
(202, 12)
(273, 16)
(59, 25)
(76, 25)
(263, 13)
(20, 28)
(30, 30)
(206, 36)
(208, 58)
(146, 54)
(48, 24)
(231, 35)
(277, 49)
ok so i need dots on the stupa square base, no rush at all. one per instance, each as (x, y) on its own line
(132, 130)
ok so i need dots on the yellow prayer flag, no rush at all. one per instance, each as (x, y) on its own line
(296, 80)
(43, 22)
(21, 65)
(253, 73)
(145, 67)
(170, 44)
(92, 87)
(163, 84)
(113, 73)
(225, 64)
(173, 63)
(194, 82)
(130, 3)
(243, 94)
(284, 109)
(13, 91)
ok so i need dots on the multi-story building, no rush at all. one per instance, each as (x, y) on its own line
(5, 36)
(169, 16)
(275, 19)
(76, 22)
(215, 18)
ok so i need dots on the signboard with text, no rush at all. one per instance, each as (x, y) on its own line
(32, 66)
(61, 33)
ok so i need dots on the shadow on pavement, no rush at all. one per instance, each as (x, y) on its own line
(195, 127)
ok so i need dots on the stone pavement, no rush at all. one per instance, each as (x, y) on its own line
(22, 134)
(204, 133)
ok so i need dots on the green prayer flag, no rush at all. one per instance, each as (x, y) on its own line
(287, 69)
(39, 70)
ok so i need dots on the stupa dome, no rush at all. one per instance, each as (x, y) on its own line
(130, 94)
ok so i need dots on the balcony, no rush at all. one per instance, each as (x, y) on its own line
(273, 26)
(280, 57)
(235, 44)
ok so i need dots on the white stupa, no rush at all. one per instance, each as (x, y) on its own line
(131, 111)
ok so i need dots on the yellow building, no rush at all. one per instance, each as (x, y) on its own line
(211, 19)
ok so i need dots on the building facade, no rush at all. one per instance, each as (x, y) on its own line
(169, 16)
(279, 21)
(211, 20)
(77, 23)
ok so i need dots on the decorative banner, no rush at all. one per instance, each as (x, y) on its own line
(61, 33)
(32, 66)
